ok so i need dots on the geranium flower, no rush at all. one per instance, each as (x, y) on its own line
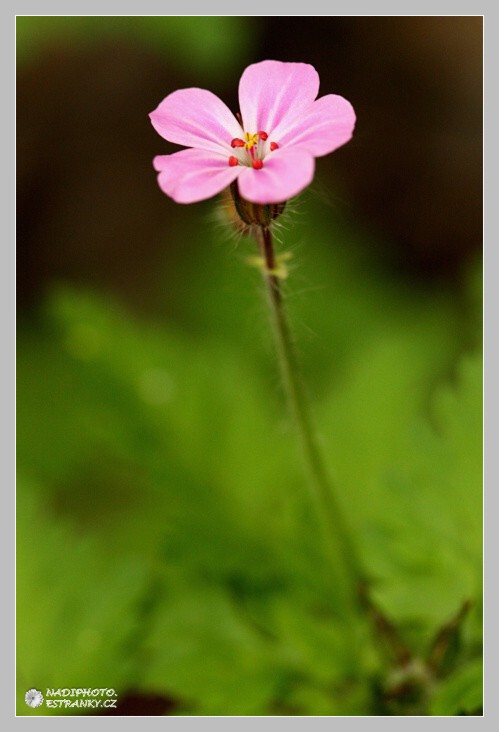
(271, 153)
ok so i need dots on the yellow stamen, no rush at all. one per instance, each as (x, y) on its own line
(251, 140)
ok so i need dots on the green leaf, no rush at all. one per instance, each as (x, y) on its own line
(75, 606)
(460, 693)
(430, 560)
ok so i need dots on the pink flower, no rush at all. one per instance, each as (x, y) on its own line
(271, 153)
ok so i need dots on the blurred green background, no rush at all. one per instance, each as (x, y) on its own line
(166, 545)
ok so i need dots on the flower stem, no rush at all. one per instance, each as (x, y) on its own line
(336, 531)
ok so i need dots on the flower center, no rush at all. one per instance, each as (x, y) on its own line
(252, 150)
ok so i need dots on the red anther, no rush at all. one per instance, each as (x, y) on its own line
(258, 164)
(233, 161)
(237, 142)
(274, 146)
(262, 135)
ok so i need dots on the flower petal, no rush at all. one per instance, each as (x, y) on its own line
(190, 175)
(196, 118)
(274, 94)
(328, 124)
(284, 174)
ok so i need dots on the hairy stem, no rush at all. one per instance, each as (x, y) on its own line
(336, 531)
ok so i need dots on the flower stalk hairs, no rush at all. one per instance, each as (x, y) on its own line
(265, 156)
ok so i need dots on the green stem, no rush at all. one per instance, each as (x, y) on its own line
(337, 533)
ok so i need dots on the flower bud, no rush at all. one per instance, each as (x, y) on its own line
(254, 214)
